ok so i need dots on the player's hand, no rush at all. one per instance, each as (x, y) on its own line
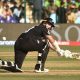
(61, 52)
(67, 54)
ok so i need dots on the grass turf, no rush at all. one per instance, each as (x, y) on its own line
(40, 77)
(53, 63)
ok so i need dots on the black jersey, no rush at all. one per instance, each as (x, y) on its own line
(37, 32)
(32, 39)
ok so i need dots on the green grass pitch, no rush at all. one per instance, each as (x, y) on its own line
(61, 68)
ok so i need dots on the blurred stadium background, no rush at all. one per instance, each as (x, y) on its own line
(33, 11)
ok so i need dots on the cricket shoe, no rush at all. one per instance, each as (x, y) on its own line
(17, 69)
(11, 69)
(42, 71)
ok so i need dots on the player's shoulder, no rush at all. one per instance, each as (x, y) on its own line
(40, 28)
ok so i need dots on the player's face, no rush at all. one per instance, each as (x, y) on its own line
(49, 26)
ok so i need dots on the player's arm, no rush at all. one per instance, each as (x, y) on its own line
(54, 45)
(53, 42)
(50, 45)
(66, 53)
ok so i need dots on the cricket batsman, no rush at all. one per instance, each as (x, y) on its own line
(37, 38)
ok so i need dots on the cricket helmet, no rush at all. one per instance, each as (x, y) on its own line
(50, 21)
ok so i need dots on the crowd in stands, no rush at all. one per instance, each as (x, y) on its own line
(61, 11)
(10, 11)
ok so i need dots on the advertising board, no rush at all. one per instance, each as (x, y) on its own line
(65, 34)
